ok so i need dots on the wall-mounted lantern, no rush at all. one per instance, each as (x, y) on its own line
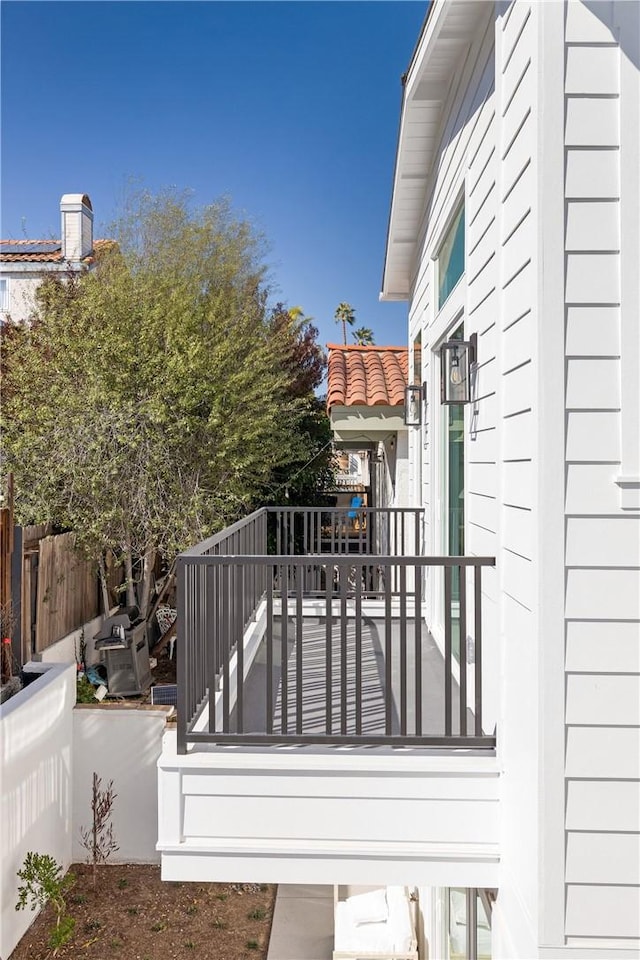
(414, 394)
(457, 358)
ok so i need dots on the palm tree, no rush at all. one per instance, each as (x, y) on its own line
(363, 336)
(345, 314)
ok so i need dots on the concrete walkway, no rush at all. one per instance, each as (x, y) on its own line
(302, 927)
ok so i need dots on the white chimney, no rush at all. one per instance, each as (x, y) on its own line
(77, 226)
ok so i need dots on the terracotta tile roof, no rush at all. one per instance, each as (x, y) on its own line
(367, 376)
(51, 255)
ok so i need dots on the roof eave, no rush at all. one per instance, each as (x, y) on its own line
(448, 29)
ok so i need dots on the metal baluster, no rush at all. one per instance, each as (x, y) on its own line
(211, 636)
(463, 649)
(284, 666)
(239, 585)
(269, 679)
(344, 573)
(403, 651)
(328, 653)
(226, 646)
(447, 651)
(418, 646)
(478, 646)
(299, 691)
(358, 650)
(388, 651)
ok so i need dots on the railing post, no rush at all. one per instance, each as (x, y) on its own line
(182, 656)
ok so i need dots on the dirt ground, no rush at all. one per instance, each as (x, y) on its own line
(132, 915)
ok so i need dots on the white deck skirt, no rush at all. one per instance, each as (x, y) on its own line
(328, 815)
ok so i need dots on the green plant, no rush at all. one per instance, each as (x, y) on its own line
(85, 691)
(189, 944)
(93, 924)
(159, 926)
(98, 840)
(133, 911)
(191, 909)
(79, 898)
(116, 942)
(257, 914)
(220, 924)
(252, 945)
(221, 896)
(44, 882)
(122, 883)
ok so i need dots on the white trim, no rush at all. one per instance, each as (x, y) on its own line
(550, 456)
(628, 15)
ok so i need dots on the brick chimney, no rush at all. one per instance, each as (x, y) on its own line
(76, 214)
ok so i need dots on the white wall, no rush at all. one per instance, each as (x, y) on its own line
(36, 767)
(22, 290)
(120, 743)
(601, 833)
(49, 751)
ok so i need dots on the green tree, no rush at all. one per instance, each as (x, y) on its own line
(149, 403)
(363, 336)
(346, 315)
(305, 482)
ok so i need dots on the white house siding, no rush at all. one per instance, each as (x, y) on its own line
(488, 149)
(602, 540)
(21, 297)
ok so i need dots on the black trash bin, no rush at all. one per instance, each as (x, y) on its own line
(122, 640)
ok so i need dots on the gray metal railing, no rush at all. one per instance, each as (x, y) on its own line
(340, 644)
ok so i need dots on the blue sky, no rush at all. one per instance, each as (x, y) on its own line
(291, 109)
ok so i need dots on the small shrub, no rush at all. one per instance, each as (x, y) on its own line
(44, 882)
(116, 942)
(93, 924)
(122, 883)
(257, 914)
(79, 898)
(192, 909)
(252, 945)
(159, 926)
(220, 924)
(221, 896)
(189, 944)
(132, 911)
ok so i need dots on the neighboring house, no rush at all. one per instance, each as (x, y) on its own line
(25, 263)
(365, 402)
(515, 221)
(459, 712)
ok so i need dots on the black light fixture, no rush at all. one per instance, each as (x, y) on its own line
(414, 394)
(457, 358)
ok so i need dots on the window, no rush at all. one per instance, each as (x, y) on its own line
(451, 257)
(4, 294)
(470, 923)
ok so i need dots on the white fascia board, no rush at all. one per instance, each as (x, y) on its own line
(37, 267)
(371, 423)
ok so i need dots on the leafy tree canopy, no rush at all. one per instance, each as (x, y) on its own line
(153, 400)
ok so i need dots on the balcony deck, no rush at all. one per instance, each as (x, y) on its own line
(373, 698)
(323, 736)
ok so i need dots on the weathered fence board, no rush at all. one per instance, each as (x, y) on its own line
(67, 594)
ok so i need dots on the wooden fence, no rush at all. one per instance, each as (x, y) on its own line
(67, 594)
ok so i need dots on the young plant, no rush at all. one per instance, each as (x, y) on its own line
(44, 882)
(98, 839)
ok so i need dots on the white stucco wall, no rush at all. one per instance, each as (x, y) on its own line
(36, 782)
(49, 751)
(120, 743)
(21, 291)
